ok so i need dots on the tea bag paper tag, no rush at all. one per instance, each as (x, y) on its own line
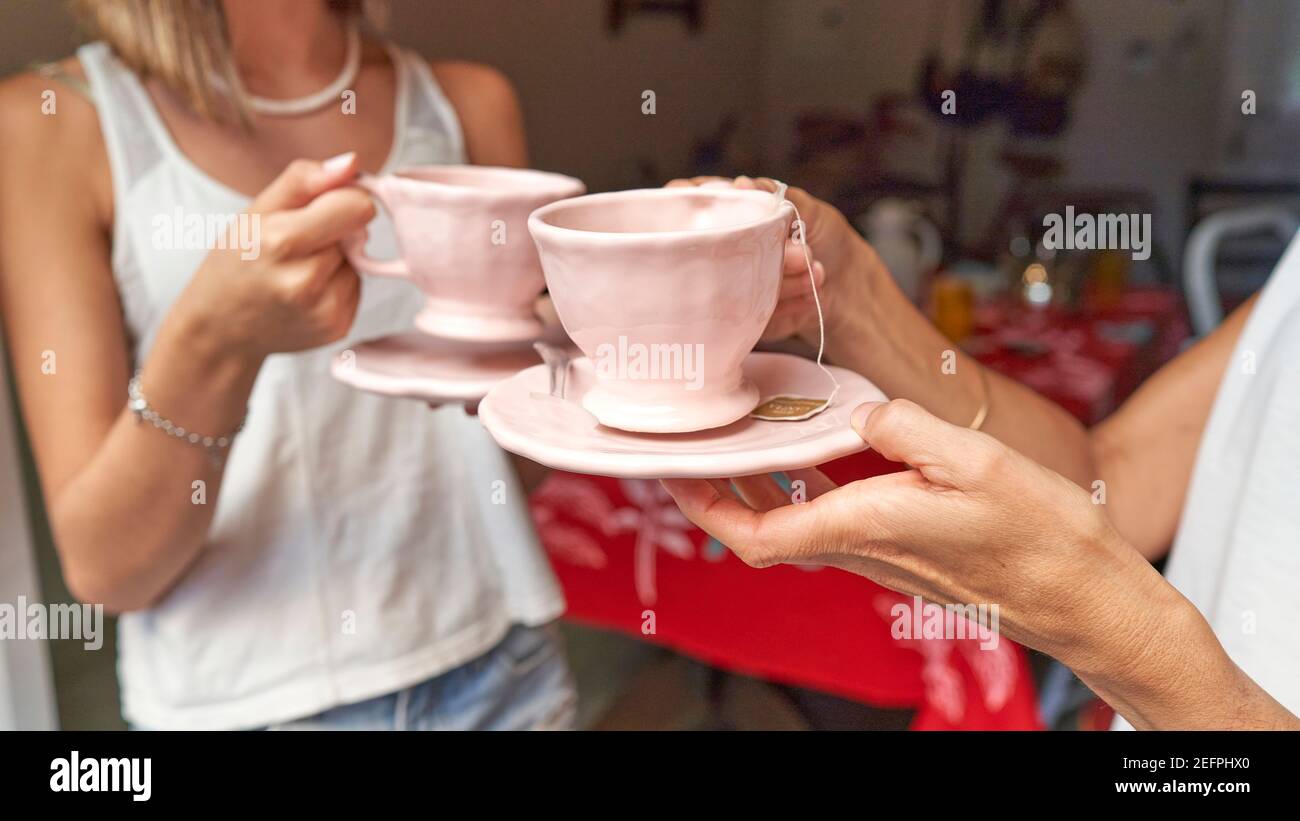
(789, 408)
(786, 408)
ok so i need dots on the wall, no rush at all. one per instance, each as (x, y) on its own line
(1135, 125)
(1149, 128)
(1263, 55)
(26, 681)
(32, 30)
(581, 87)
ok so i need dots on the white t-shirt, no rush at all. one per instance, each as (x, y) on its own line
(360, 544)
(1237, 554)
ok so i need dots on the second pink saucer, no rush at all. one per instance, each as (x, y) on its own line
(418, 366)
(525, 419)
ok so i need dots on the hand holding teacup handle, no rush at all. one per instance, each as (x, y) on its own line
(354, 247)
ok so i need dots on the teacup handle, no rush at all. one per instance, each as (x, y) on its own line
(355, 247)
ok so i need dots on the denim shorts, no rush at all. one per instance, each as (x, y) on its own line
(521, 684)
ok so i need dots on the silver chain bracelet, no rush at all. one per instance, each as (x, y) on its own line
(215, 445)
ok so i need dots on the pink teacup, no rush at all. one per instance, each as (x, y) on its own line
(666, 291)
(461, 237)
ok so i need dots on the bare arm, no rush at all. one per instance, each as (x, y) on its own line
(489, 112)
(1144, 452)
(98, 470)
(122, 497)
(1160, 665)
(884, 337)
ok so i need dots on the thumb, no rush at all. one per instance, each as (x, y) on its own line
(903, 431)
(303, 180)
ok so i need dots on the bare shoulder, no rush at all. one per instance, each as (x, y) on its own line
(50, 130)
(475, 84)
(37, 107)
(488, 108)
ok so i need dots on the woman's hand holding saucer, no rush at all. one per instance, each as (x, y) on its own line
(972, 522)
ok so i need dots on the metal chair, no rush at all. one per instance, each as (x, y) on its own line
(1200, 280)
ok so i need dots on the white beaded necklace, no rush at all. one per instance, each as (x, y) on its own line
(318, 99)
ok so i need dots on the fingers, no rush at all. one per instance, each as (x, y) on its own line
(719, 514)
(783, 533)
(798, 196)
(305, 278)
(944, 453)
(761, 492)
(696, 182)
(303, 180)
(793, 260)
(815, 483)
(309, 281)
(323, 222)
(343, 299)
(723, 488)
(805, 202)
(797, 283)
(544, 308)
(796, 306)
(711, 181)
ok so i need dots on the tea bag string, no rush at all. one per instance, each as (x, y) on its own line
(801, 231)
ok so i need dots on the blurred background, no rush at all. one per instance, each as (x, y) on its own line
(946, 130)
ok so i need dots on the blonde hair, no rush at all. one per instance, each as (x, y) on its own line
(184, 44)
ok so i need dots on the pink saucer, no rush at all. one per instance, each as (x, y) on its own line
(418, 366)
(524, 419)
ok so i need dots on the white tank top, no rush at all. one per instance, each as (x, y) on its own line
(359, 544)
(1237, 555)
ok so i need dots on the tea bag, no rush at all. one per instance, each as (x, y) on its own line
(785, 408)
(789, 409)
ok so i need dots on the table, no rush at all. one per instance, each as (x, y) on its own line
(629, 561)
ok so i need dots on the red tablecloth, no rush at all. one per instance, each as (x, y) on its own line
(1088, 362)
(628, 560)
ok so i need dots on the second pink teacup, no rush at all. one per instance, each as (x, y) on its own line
(666, 291)
(462, 238)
